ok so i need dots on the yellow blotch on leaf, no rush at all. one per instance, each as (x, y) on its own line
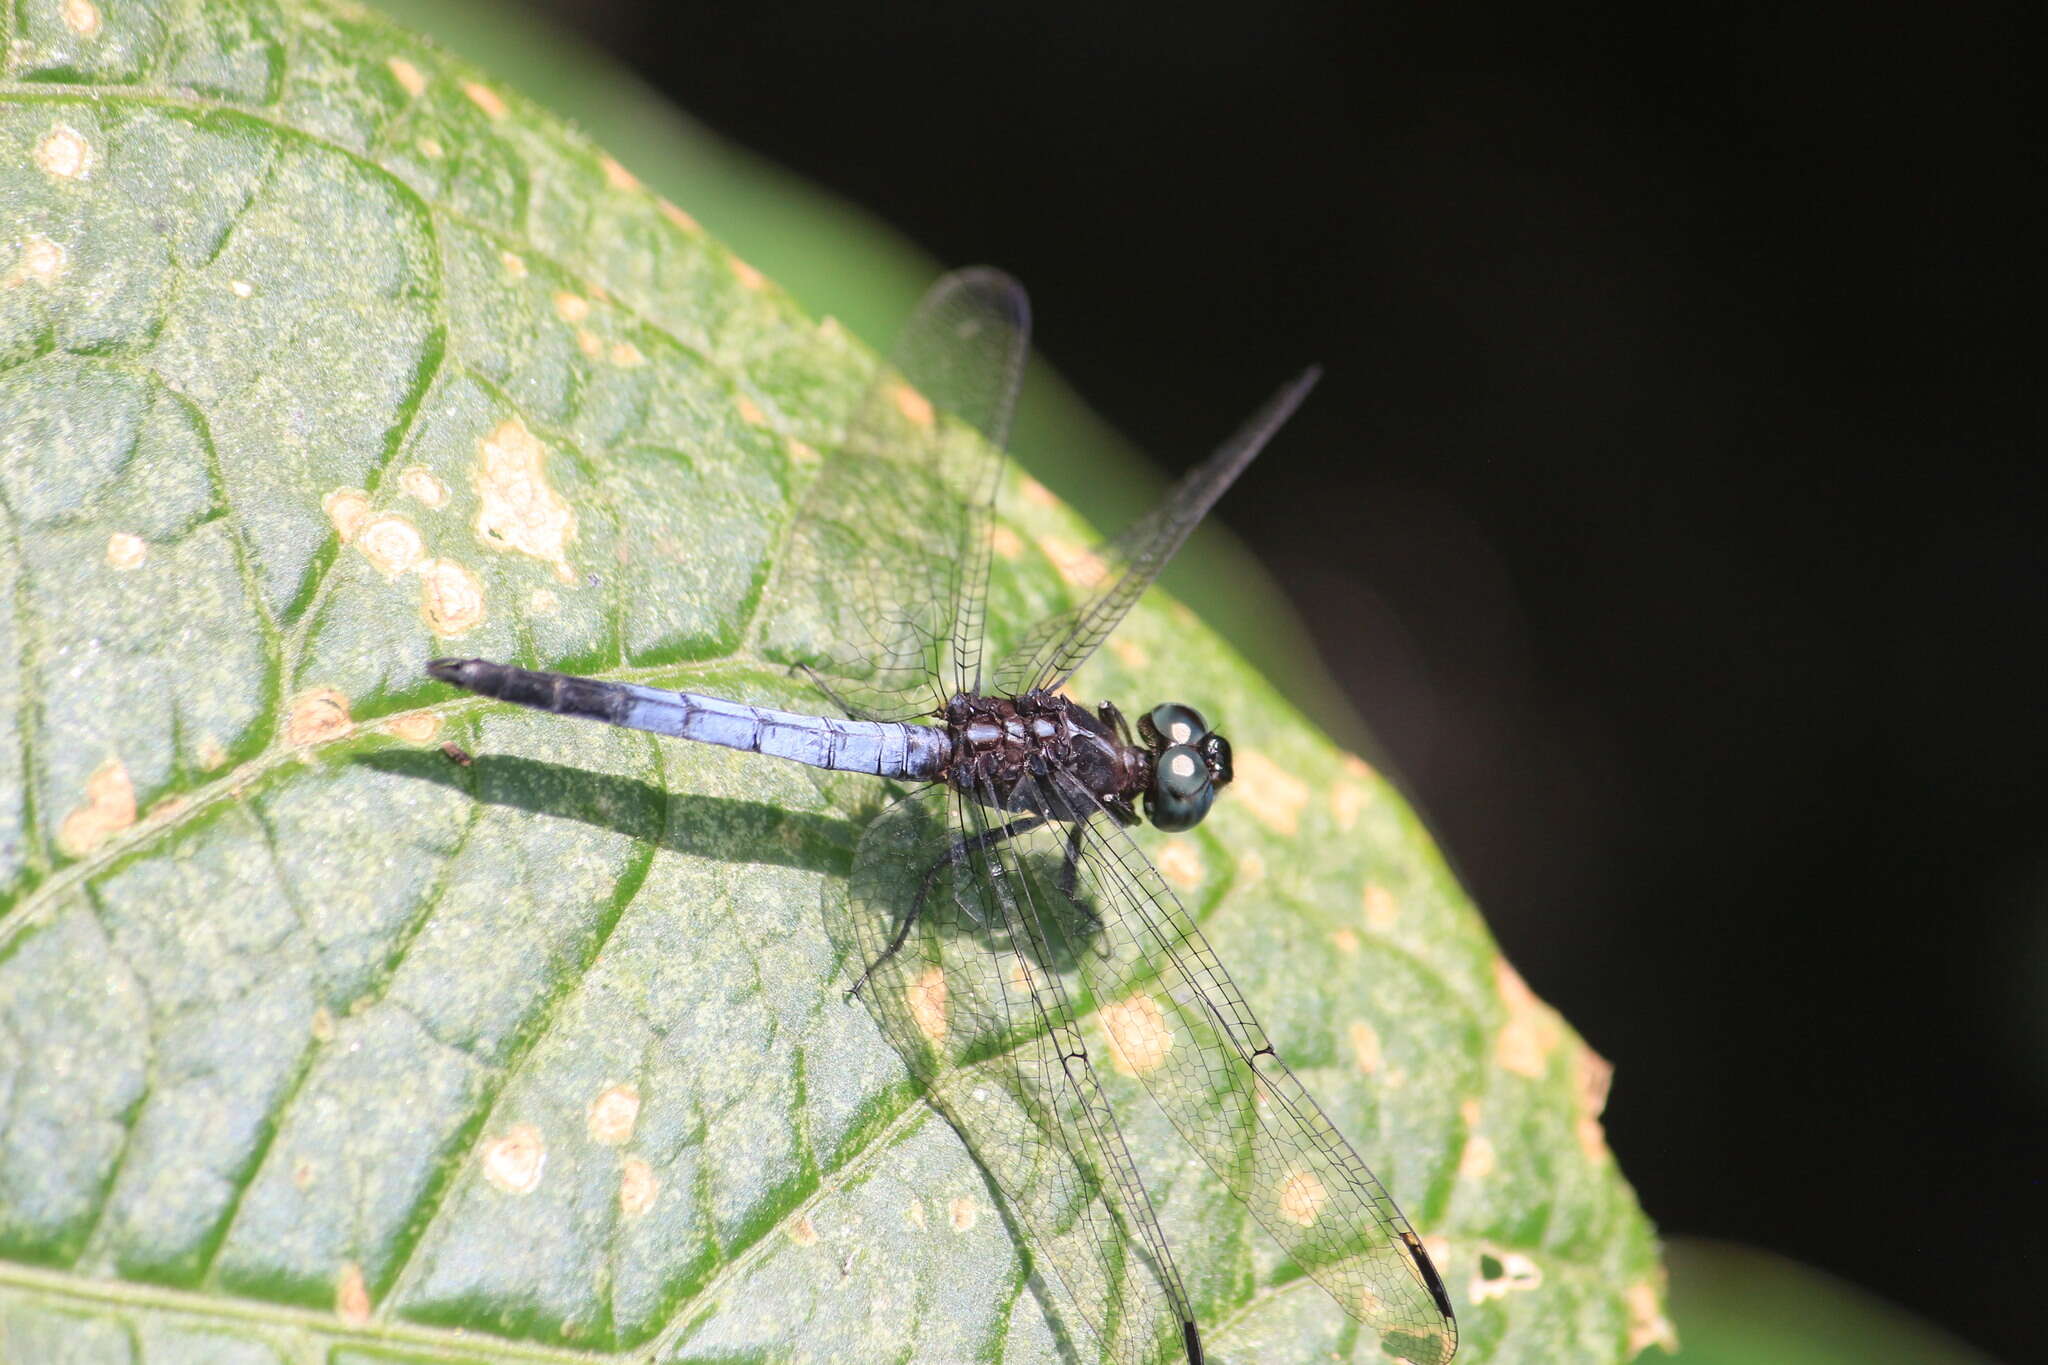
(1129, 653)
(125, 551)
(351, 1294)
(1477, 1160)
(415, 727)
(514, 1163)
(409, 77)
(1180, 862)
(617, 176)
(1647, 1325)
(915, 407)
(521, 512)
(41, 261)
(1595, 1076)
(611, 1115)
(392, 544)
(109, 808)
(1517, 1275)
(571, 307)
(1006, 543)
(750, 279)
(679, 218)
(486, 99)
(317, 716)
(927, 998)
(1381, 910)
(347, 509)
(64, 154)
(1139, 1038)
(637, 1187)
(1275, 795)
(964, 1213)
(1302, 1196)
(451, 597)
(81, 17)
(1531, 1031)
(1365, 1046)
(419, 483)
(804, 1232)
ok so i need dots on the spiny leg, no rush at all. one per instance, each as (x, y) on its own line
(952, 857)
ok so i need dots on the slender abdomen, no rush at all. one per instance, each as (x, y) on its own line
(884, 749)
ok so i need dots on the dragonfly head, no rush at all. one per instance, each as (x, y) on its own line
(1189, 762)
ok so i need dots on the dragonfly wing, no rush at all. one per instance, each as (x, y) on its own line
(1177, 1021)
(991, 1034)
(1050, 651)
(884, 581)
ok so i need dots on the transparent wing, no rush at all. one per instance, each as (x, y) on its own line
(1051, 650)
(882, 587)
(990, 1032)
(1175, 1020)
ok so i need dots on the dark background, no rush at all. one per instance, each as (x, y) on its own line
(1671, 511)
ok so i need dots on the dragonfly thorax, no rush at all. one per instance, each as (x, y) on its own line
(1000, 742)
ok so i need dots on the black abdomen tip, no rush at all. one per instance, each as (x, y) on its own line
(461, 672)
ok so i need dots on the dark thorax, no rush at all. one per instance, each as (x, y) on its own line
(999, 741)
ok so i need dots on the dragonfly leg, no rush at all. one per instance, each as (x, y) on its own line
(1111, 715)
(952, 857)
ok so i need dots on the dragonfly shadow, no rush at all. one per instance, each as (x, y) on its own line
(705, 826)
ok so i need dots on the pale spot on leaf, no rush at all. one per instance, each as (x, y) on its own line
(430, 149)
(1477, 1160)
(322, 1026)
(1365, 1046)
(915, 1213)
(679, 218)
(1180, 862)
(351, 1294)
(1381, 910)
(964, 1213)
(64, 154)
(451, 597)
(514, 1162)
(486, 99)
(626, 355)
(637, 1187)
(1531, 1032)
(610, 1118)
(617, 176)
(804, 1232)
(1081, 568)
(515, 265)
(415, 727)
(1346, 941)
(211, 754)
(915, 407)
(1275, 795)
(1595, 1076)
(241, 289)
(1251, 865)
(803, 454)
(750, 411)
(317, 716)
(1129, 653)
(543, 602)
(521, 512)
(1346, 801)
(1647, 1325)
(1036, 493)
(409, 77)
(418, 483)
(1468, 1111)
(1006, 543)
(41, 261)
(589, 342)
(926, 997)
(392, 544)
(749, 278)
(81, 17)
(1138, 1036)
(125, 551)
(346, 509)
(1512, 1272)
(109, 808)
(571, 307)
(1302, 1196)
(1357, 767)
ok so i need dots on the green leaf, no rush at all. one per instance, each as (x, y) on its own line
(322, 353)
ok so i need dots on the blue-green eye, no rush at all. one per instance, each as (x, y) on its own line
(1172, 723)
(1181, 790)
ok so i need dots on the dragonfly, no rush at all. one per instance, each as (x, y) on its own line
(998, 906)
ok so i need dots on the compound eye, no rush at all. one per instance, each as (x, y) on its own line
(1181, 790)
(1172, 723)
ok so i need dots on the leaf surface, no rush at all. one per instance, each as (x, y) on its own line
(321, 354)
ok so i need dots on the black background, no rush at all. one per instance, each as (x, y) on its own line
(1671, 510)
